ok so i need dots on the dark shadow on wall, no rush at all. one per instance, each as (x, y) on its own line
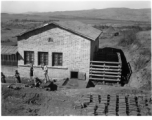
(19, 57)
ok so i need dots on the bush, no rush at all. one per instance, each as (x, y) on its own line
(143, 59)
(140, 63)
(129, 37)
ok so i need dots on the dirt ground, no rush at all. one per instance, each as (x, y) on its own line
(67, 101)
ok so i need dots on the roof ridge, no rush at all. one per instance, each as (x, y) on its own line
(77, 27)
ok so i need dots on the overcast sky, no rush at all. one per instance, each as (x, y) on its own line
(50, 6)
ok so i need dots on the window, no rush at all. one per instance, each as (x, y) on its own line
(57, 59)
(42, 58)
(5, 57)
(28, 57)
(74, 74)
(50, 39)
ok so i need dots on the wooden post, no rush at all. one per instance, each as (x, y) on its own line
(103, 82)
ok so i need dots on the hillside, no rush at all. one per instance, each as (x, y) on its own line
(109, 13)
(136, 46)
(13, 24)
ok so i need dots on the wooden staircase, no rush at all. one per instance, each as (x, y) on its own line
(106, 71)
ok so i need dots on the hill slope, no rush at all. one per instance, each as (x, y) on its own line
(109, 13)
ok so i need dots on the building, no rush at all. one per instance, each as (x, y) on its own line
(66, 47)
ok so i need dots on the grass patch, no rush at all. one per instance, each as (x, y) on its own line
(143, 59)
(129, 37)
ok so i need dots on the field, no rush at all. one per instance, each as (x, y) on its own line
(127, 33)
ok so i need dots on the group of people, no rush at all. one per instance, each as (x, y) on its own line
(36, 82)
(49, 85)
(45, 70)
(17, 76)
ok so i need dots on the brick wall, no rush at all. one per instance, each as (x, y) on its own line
(75, 49)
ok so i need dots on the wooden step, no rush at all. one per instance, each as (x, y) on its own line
(105, 75)
(103, 72)
(103, 69)
(104, 79)
(105, 66)
(105, 62)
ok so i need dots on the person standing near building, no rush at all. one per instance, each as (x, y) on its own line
(45, 69)
(3, 80)
(31, 72)
(17, 76)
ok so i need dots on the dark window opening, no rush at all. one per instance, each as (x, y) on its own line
(57, 59)
(74, 74)
(28, 57)
(50, 39)
(42, 58)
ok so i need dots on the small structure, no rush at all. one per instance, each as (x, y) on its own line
(109, 67)
(110, 32)
(9, 55)
(66, 47)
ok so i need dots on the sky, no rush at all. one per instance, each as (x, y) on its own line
(51, 6)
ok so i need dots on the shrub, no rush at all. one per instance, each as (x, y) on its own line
(129, 37)
(143, 59)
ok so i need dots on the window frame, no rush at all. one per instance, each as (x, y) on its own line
(58, 62)
(44, 59)
(30, 57)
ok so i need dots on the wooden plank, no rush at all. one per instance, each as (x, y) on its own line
(103, 79)
(105, 69)
(105, 75)
(106, 66)
(119, 57)
(103, 72)
(105, 62)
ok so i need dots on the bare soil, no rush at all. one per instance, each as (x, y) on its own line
(65, 101)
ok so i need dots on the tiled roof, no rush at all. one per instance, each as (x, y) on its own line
(75, 26)
(8, 50)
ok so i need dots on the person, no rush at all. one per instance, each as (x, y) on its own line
(31, 72)
(17, 76)
(50, 86)
(37, 82)
(3, 80)
(45, 69)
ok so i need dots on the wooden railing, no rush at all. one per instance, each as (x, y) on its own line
(105, 71)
